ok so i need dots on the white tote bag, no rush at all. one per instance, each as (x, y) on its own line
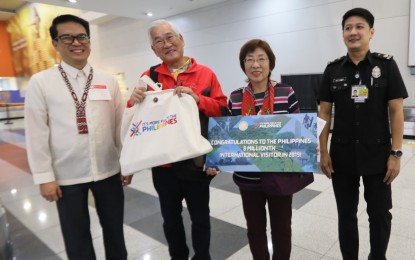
(164, 128)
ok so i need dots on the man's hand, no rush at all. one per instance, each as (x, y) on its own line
(138, 95)
(126, 180)
(325, 164)
(212, 171)
(187, 90)
(394, 166)
(50, 191)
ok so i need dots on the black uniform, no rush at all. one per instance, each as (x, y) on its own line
(361, 143)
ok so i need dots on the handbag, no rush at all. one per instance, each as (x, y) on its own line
(282, 184)
(163, 129)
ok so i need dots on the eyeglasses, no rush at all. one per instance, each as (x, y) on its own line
(69, 39)
(161, 42)
(250, 61)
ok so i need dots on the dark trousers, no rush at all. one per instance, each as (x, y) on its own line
(280, 213)
(172, 190)
(378, 196)
(75, 222)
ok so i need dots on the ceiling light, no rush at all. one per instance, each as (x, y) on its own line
(73, 1)
(149, 14)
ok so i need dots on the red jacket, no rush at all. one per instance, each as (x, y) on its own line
(203, 82)
(199, 78)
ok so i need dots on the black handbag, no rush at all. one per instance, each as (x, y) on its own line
(282, 184)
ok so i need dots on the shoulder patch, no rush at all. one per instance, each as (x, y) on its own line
(382, 56)
(336, 60)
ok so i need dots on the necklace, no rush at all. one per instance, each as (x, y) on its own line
(187, 64)
(80, 106)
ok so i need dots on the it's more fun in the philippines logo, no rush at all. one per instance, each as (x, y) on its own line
(140, 127)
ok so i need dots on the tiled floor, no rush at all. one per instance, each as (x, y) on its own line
(35, 231)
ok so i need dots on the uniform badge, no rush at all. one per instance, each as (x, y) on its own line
(376, 72)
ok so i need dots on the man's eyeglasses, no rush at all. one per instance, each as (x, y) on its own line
(250, 61)
(69, 39)
(169, 39)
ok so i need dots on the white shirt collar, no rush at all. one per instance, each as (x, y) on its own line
(72, 71)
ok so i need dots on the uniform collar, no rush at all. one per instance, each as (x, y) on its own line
(369, 58)
(72, 71)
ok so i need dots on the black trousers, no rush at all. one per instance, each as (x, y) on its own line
(280, 213)
(172, 190)
(378, 196)
(75, 222)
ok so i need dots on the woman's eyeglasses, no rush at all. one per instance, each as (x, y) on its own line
(250, 61)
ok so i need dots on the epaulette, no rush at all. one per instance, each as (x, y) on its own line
(382, 56)
(336, 60)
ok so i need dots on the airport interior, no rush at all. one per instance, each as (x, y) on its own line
(29, 225)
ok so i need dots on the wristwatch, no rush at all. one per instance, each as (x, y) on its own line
(396, 153)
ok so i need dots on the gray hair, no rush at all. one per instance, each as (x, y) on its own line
(158, 23)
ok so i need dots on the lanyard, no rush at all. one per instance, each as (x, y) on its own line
(80, 106)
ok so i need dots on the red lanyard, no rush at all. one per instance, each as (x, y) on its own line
(80, 106)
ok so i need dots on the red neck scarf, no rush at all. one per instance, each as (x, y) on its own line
(249, 102)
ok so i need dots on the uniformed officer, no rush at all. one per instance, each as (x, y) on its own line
(367, 92)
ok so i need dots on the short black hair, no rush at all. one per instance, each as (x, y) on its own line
(53, 31)
(361, 12)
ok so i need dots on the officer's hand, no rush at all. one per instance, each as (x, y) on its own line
(138, 95)
(50, 191)
(326, 165)
(394, 166)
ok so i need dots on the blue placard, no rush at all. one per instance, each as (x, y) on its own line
(268, 143)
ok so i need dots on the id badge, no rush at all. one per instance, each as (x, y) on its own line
(359, 93)
(99, 92)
